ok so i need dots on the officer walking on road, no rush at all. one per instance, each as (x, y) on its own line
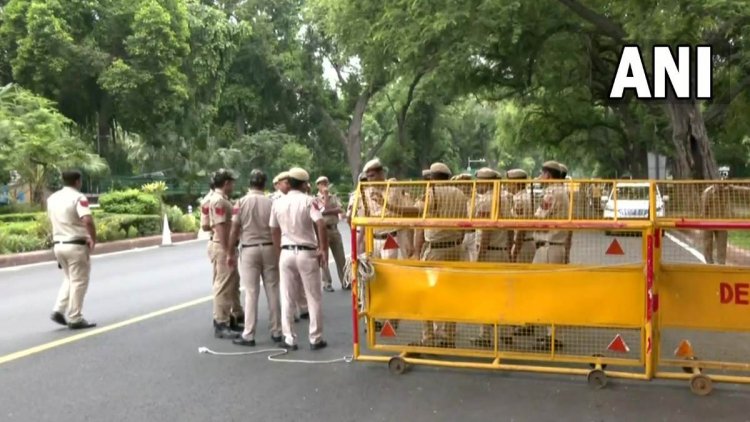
(716, 203)
(226, 280)
(250, 219)
(331, 210)
(295, 218)
(74, 237)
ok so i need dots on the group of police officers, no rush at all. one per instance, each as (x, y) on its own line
(451, 201)
(283, 239)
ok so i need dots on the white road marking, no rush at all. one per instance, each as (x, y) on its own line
(699, 256)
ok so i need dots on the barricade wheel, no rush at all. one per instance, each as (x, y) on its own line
(397, 365)
(701, 385)
(597, 379)
(689, 369)
(598, 355)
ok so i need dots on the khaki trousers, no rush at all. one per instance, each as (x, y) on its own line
(76, 267)
(527, 252)
(226, 285)
(337, 250)
(454, 253)
(551, 254)
(296, 266)
(720, 238)
(257, 262)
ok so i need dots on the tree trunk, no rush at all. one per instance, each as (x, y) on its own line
(354, 136)
(104, 127)
(694, 156)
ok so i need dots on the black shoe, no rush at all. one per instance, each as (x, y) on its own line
(286, 346)
(222, 330)
(524, 331)
(347, 287)
(319, 345)
(296, 318)
(277, 339)
(58, 318)
(237, 323)
(80, 325)
(305, 315)
(328, 288)
(242, 342)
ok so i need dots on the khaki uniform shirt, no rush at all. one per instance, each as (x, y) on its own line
(554, 206)
(65, 208)
(253, 213)
(716, 202)
(276, 195)
(445, 202)
(295, 213)
(374, 198)
(205, 208)
(497, 238)
(219, 210)
(333, 202)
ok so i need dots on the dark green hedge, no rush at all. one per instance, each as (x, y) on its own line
(130, 201)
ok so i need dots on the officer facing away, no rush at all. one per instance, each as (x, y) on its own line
(295, 218)
(250, 218)
(331, 210)
(226, 279)
(74, 237)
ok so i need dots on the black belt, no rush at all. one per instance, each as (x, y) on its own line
(385, 235)
(257, 244)
(542, 244)
(298, 248)
(496, 248)
(443, 245)
(70, 242)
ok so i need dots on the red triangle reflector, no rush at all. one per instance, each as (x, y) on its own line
(390, 243)
(618, 345)
(684, 350)
(387, 330)
(615, 248)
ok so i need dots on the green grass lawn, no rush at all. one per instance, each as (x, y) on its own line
(740, 239)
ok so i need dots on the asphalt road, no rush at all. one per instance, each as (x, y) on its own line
(150, 370)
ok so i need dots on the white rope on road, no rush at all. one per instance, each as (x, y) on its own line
(273, 356)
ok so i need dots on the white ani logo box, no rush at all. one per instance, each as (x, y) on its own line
(689, 74)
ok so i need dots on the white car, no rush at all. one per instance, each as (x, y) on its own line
(633, 201)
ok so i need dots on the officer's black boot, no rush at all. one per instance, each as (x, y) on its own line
(222, 330)
(237, 323)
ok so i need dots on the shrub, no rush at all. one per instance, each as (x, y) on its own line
(25, 228)
(19, 217)
(130, 201)
(20, 208)
(144, 225)
(157, 189)
(174, 218)
(132, 232)
(12, 243)
(108, 230)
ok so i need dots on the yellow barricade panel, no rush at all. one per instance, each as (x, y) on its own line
(704, 297)
(560, 295)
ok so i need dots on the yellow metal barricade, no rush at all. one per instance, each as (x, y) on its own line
(449, 306)
(703, 283)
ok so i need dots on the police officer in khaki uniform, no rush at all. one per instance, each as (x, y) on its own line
(74, 237)
(395, 207)
(550, 245)
(331, 210)
(492, 245)
(569, 239)
(716, 203)
(281, 184)
(295, 219)
(350, 213)
(227, 309)
(444, 201)
(205, 226)
(523, 208)
(250, 228)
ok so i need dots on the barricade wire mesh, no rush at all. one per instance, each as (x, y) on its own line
(717, 247)
(709, 200)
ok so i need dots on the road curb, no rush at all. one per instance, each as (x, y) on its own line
(101, 248)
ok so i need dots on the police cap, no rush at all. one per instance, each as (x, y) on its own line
(440, 168)
(517, 174)
(487, 174)
(373, 164)
(321, 179)
(552, 165)
(300, 174)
